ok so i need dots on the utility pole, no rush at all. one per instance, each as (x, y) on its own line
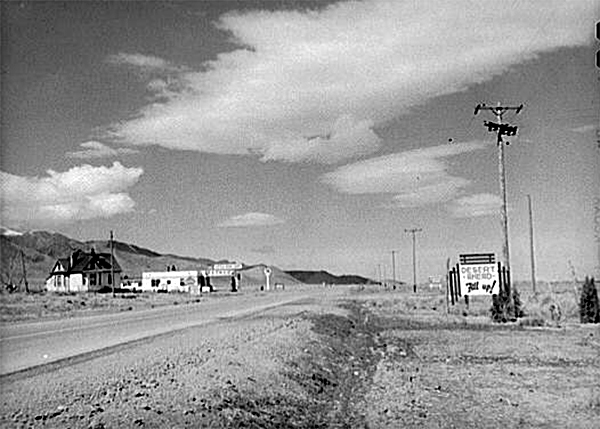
(380, 276)
(502, 129)
(24, 272)
(413, 231)
(112, 264)
(531, 250)
(394, 269)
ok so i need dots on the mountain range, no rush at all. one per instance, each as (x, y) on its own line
(40, 250)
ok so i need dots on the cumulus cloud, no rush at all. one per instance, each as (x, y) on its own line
(338, 72)
(94, 149)
(251, 219)
(476, 205)
(417, 177)
(83, 192)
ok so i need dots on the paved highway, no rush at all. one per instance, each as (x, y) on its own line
(26, 345)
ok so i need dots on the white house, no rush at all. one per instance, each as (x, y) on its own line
(83, 272)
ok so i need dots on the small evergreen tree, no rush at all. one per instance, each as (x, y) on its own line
(589, 309)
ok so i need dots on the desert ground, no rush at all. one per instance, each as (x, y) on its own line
(341, 356)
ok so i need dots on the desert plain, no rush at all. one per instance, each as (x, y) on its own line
(314, 357)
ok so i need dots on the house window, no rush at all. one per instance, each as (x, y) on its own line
(93, 279)
(155, 282)
(168, 282)
(109, 278)
(181, 282)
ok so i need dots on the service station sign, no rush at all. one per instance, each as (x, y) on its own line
(479, 278)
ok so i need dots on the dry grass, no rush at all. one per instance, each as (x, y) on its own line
(450, 370)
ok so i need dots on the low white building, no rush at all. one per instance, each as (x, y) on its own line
(171, 281)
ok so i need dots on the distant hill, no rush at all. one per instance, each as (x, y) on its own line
(42, 248)
(319, 277)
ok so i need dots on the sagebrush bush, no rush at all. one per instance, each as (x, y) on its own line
(503, 310)
(589, 309)
(517, 304)
(500, 311)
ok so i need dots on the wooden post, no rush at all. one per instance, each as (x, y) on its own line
(24, 272)
(112, 265)
(458, 280)
(451, 283)
(447, 285)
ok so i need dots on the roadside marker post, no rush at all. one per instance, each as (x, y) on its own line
(267, 272)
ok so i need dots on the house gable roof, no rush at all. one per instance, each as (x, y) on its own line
(80, 261)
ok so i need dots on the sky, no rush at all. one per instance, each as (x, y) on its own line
(305, 134)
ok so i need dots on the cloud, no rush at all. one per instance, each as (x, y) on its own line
(81, 193)
(339, 72)
(476, 205)
(417, 177)
(251, 219)
(143, 62)
(585, 129)
(264, 250)
(94, 149)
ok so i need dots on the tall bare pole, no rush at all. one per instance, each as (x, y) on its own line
(531, 249)
(502, 129)
(380, 275)
(112, 264)
(414, 231)
(394, 268)
(24, 272)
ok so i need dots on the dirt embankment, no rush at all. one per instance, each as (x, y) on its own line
(294, 366)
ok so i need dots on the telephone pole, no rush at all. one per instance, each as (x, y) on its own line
(24, 271)
(394, 269)
(413, 231)
(502, 129)
(531, 250)
(112, 265)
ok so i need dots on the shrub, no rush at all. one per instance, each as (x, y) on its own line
(589, 309)
(501, 310)
(517, 304)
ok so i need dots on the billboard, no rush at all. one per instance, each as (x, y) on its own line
(479, 277)
(228, 266)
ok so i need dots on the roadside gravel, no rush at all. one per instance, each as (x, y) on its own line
(292, 366)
